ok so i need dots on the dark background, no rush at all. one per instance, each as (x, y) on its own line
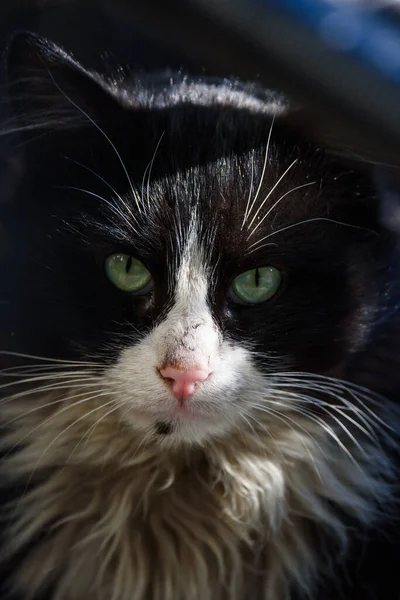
(127, 33)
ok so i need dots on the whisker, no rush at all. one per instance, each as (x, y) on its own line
(276, 204)
(329, 407)
(53, 371)
(242, 415)
(149, 169)
(336, 438)
(369, 420)
(292, 375)
(22, 370)
(268, 432)
(313, 220)
(56, 414)
(247, 214)
(84, 416)
(75, 379)
(41, 375)
(328, 430)
(118, 196)
(251, 189)
(46, 373)
(113, 208)
(267, 408)
(45, 389)
(66, 399)
(332, 384)
(349, 434)
(293, 425)
(103, 133)
(51, 360)
(88, 434)
(270, 192)
(369, 432)
(90, 431)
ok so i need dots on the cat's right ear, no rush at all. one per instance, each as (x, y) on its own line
(50, 90)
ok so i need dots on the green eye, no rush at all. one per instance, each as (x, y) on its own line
(256, 285)
(127, 273)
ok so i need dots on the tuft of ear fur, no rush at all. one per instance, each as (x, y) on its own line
(49, 89)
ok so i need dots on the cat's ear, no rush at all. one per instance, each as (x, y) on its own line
(50, 90)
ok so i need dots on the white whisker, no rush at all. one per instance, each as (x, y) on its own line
(242, 415)
(270, 192)
(295, 426)
(307, 221)
(56, 414)
(368, 431)
(118, 196)
(113, 208)
(51, 360)
(268, 432)
(149, 169)
(58, 385)
(91, 429)
(103, 133)
(368, 420)
(64, 381)
(22, 370)
(370, 424)
(331, 385)
(66, 399)
(276, 204)
(84, 416)
(247, 213)
(267, 408)
(328, 430)
(251, 190)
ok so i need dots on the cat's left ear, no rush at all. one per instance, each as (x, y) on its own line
(52, 91)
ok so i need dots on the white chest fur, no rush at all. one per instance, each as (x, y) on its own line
(125, 520)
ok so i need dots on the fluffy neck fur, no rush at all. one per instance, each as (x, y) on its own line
(125, 519)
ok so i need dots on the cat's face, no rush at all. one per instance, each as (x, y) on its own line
(190, 242)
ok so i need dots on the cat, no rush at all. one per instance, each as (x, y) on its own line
(196, 300)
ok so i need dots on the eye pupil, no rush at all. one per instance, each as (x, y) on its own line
(128, 264)
(257, 277)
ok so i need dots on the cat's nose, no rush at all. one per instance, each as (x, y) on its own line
(184, 381)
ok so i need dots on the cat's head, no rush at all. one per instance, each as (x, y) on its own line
(188, 238)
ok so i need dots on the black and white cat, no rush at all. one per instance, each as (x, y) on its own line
(194, 297)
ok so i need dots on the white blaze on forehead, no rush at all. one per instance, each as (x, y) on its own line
(191, 282)
(188, 335)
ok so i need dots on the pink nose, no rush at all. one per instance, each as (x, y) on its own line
(184, 381)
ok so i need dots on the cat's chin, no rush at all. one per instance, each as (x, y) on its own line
(195, 433)
(183, 427)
